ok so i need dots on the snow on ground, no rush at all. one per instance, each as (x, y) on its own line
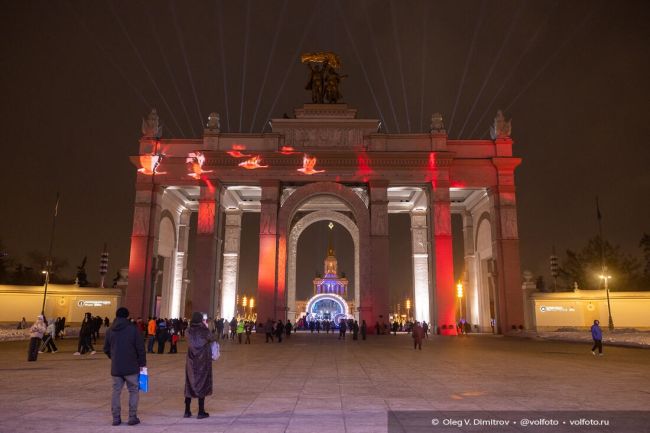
(623, 337)
(7, 334)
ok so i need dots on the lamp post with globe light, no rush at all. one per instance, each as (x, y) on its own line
(606, 277)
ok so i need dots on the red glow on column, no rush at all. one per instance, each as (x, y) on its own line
(432, 170)
(206, 216)
(209, 184)
(364, 170)
(445, 285)
(457, 184)
(266, 278)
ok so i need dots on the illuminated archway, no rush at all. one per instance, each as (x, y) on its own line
(297, 230)
(361, 217)
(340, 310)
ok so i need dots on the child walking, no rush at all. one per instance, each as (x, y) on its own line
(174, 339)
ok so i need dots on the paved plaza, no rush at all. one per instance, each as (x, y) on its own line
(316, 383)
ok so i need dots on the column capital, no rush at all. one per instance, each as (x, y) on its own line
(440, 191)
(209, 193)
(378, 183)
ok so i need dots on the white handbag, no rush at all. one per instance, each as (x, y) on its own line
(215, 350)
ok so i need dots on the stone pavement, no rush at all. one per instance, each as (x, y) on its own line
(315, 383)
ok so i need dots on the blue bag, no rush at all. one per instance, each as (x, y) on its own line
(143, 380)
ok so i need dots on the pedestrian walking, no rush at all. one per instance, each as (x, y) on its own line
(418, 335)
(597, 336)
(342, 329)
(248, 329)
(173, 342)
(364, 329)
(233, 328)
(268, 330)
(240, 330)
(48, 339)
(124, 346)
(279, 330)
(35, 336)
(162, 335)
(355, 330)
(84, 345)
(151, 334)
(219, 327)
(198, 365)
(287, 328)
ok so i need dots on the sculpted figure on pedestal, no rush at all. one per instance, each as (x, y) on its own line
(151, 125)
(214, 122)
(502, 128)
(437, 124)
(324, 79)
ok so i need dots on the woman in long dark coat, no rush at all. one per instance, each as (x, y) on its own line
(198, 367)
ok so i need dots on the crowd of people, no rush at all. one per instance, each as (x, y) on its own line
(125, 338)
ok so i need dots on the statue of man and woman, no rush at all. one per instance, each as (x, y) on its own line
(324, 80)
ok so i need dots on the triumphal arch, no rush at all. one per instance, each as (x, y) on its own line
(326, 163)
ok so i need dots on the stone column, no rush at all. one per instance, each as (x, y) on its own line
(472, 300)
(505, 244)
(379, 262)
(182, 236)
(267, 298)
(420, 250)
(445, 291)
(230, 273)
(205, 256)
(144, 235)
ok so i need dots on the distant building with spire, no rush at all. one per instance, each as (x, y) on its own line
(330, 282)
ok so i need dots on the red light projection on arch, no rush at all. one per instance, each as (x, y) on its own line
(287, 150)
(308, 164)
(195, 161)
(236, 151)
(253, 163)
(150, 163)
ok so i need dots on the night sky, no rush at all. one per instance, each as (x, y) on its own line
(77, 77)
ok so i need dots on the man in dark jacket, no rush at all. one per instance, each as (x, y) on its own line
(124, 345)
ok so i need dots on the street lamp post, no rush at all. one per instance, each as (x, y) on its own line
(408, 309)
(459, 295)
(48, 263)
(606, 277)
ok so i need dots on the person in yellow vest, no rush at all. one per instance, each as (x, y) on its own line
(240, 330)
